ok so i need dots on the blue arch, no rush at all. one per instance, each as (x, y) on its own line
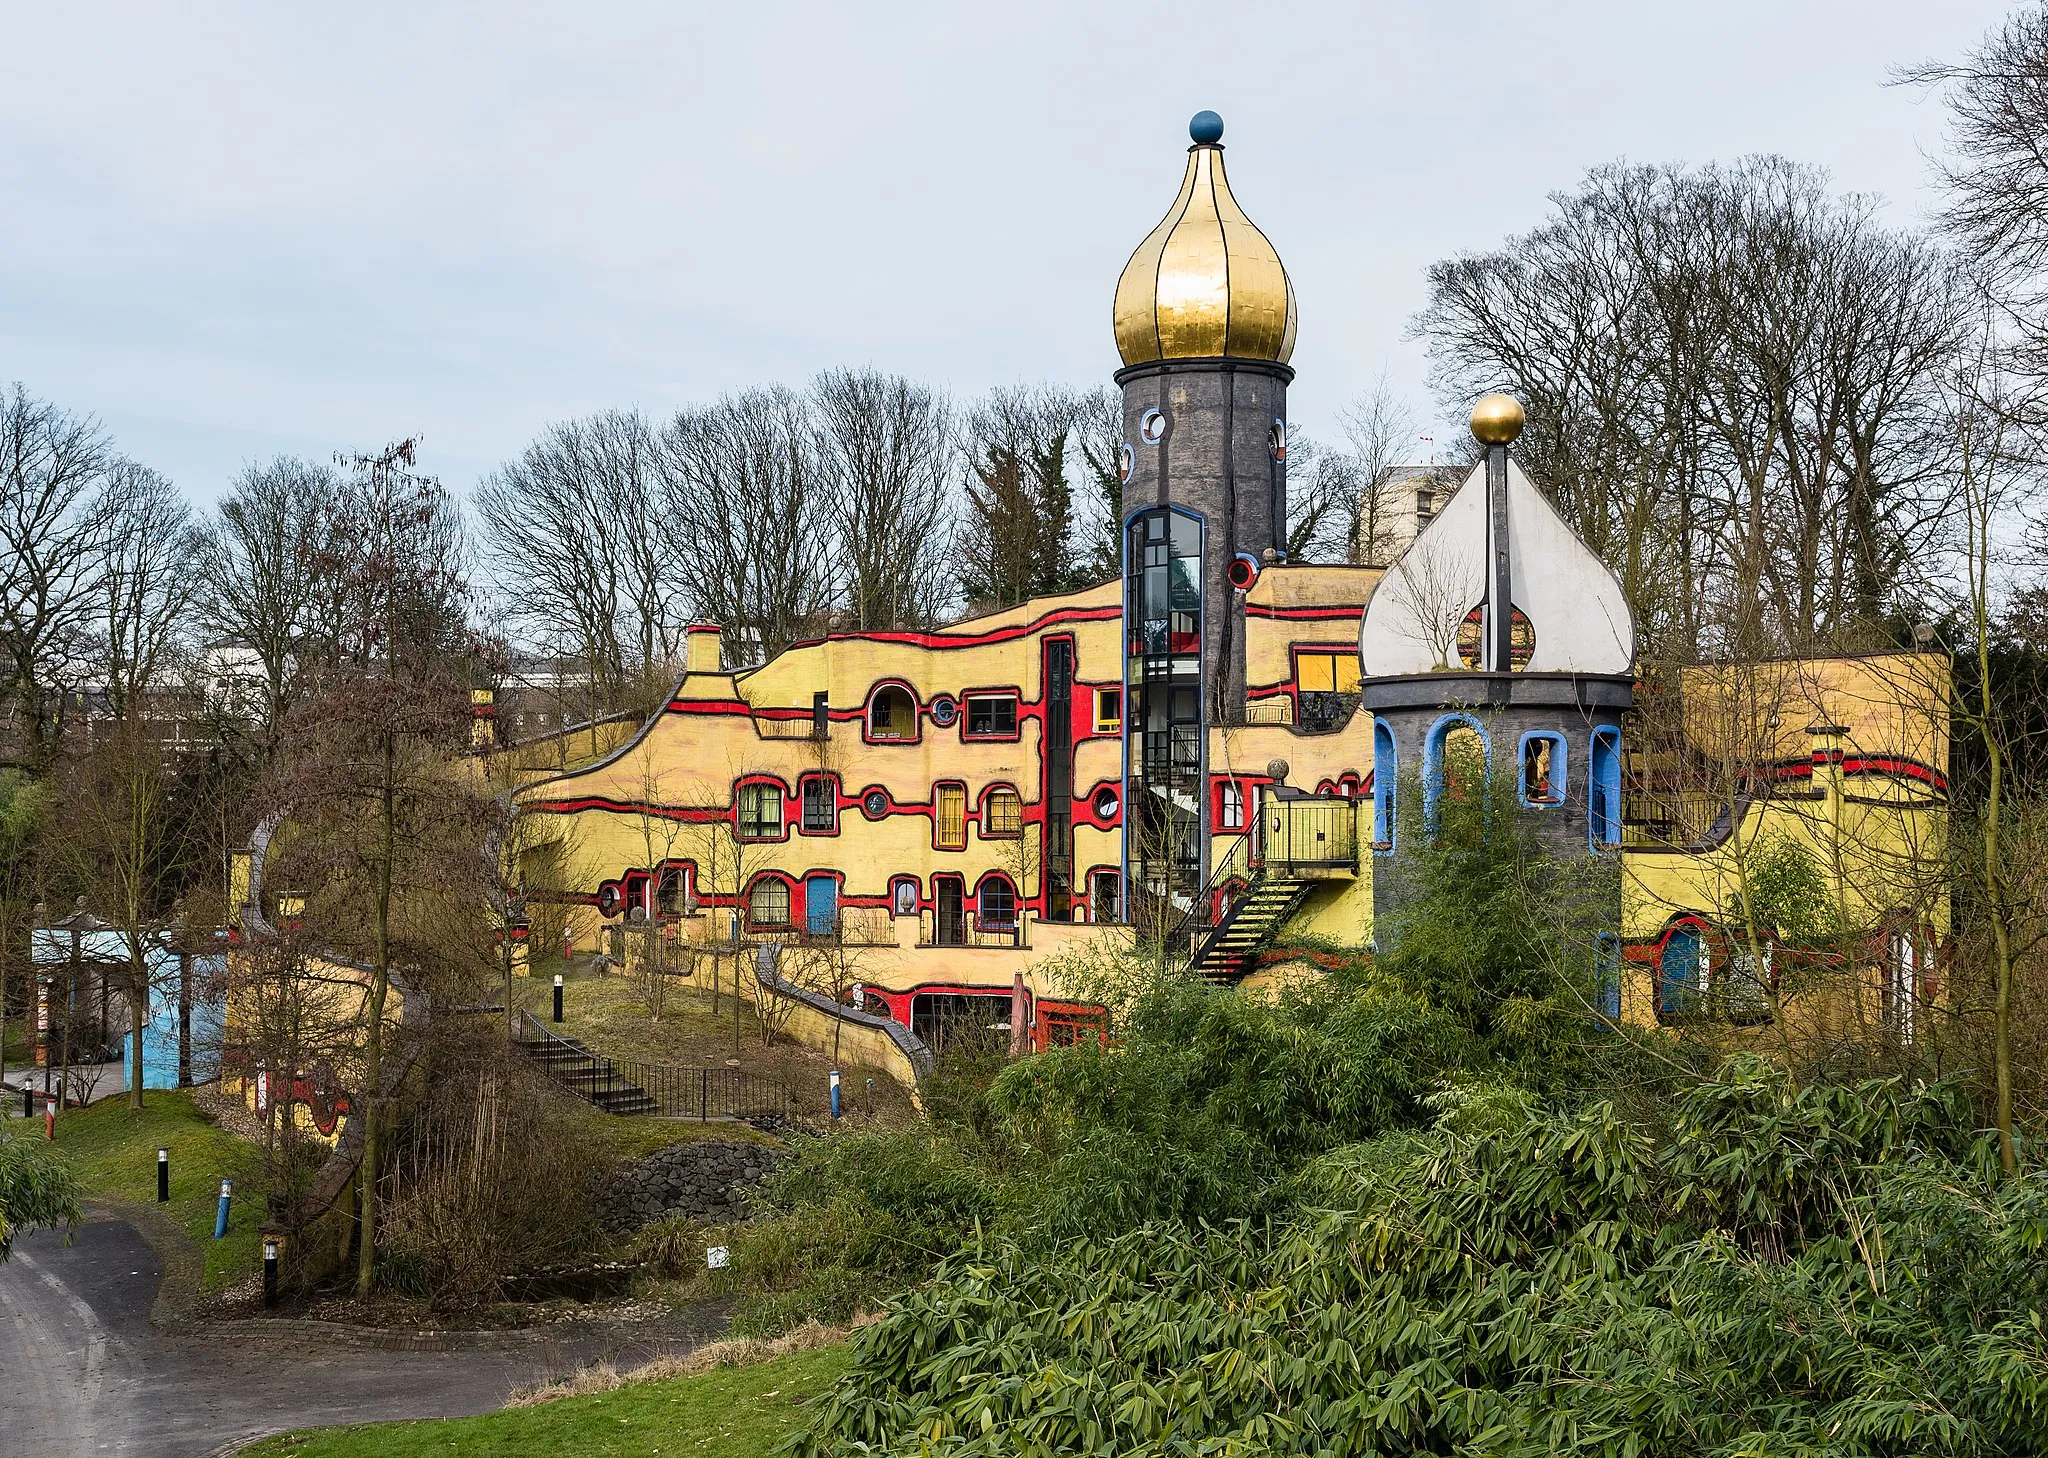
(1386, 780)
(1603, 790)
(1433, 759)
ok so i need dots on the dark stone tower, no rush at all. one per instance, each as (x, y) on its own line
(1205, 323)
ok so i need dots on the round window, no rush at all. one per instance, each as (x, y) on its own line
(1126, 463)
(1276, 440)
(875, 803)
(1107, 803)
(608, 899)
(906, 898)
(1152, 427)
(944, 710)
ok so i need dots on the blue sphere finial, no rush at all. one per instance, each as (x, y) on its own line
(1206, 128)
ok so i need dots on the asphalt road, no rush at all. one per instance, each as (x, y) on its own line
(82, 1371)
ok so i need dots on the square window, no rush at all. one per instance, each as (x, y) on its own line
(821, 805)
(1105, 889)
(991, 716)
(768, 905)
(1003, 815)
(760, 816)
(1109, 711)
(949, 817)
(1542, 770)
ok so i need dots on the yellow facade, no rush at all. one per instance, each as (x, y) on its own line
(1845, 758)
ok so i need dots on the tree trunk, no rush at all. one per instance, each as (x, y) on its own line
(138, 1019)
(1994, 891)
(373, 1047)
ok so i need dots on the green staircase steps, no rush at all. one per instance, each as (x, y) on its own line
(1249, 924)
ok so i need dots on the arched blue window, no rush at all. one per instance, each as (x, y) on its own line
(1607, 976)
(1603, 790)
(1386, 779)
(1446, 762)
(1541, 773)
(1681, 971)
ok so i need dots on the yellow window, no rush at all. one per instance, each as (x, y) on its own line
(1327, 673)
(1109, 711)
(950, 814)
(1004, 815)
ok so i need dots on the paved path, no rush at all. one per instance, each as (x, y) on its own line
(82, 1371)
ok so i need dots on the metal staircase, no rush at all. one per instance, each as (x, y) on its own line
(1249, 923)
(1298, 840)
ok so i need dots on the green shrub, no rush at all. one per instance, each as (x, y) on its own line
(37, 1191)
(854, 1216)
(1831, 1270)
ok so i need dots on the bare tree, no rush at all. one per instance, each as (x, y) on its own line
(389, 835)
(742, 485)
(145, 585)
(1432, 589)
(558, 548)
(1995, 173)
(52, 464)
(886, 448)
(1323, 490)
(257, 592)
(124, 846)
(1380, 429)
(1730, 375)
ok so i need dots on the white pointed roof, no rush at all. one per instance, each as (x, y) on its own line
(1574, 604)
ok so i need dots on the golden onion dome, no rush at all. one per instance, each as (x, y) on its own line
(1205, 283)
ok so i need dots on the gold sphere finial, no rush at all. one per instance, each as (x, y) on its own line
(1498, 419)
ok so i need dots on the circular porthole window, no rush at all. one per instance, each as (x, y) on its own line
(608, 900)
(1276, 440)
(944, 711)
(1152, 427)
(1107, 803)
(874, 804)
(1126, 463)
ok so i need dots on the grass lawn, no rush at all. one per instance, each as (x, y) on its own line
(113, 1153)
(729, 1412)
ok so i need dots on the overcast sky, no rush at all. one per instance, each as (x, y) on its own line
(233, 230)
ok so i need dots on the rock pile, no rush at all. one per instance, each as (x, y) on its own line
(706, 1179)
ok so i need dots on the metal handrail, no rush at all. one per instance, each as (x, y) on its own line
(1239, 864)
(675, 1091)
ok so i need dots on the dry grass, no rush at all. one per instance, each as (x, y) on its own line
(732, 1352)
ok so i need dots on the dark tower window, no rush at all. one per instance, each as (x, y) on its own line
(821, 804)
(1163, 719)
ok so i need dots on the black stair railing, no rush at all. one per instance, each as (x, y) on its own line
(1200, 921)
(625, 1086)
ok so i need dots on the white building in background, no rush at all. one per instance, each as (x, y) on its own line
(1398, 504)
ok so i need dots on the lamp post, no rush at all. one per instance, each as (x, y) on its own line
(163, 1174)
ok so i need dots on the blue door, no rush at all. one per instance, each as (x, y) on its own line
(821, 906)
(1678, 972)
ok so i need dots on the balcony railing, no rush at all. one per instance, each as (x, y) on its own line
(968, 930)
(1308, 832)
(863, 926)
(804, 728)
(1277, 710)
